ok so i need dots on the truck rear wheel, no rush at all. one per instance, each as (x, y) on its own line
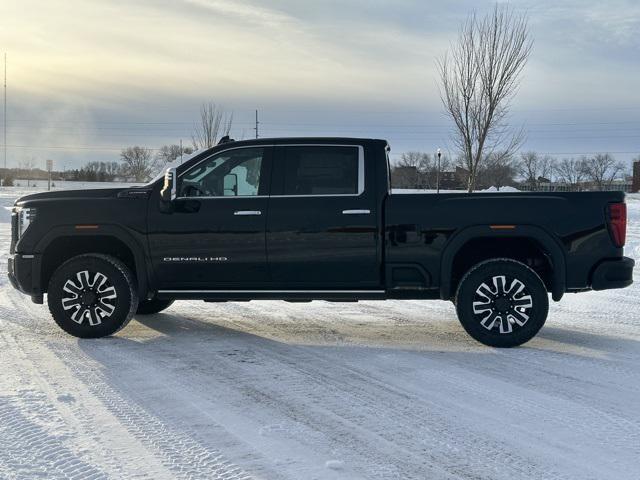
(149, 307)
(92, 296)
(502, 303)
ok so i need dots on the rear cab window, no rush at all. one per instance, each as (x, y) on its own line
(314, 170)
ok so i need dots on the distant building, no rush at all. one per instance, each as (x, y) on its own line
(455, 179)
(408, 177)
(405, 177)
(635, 183)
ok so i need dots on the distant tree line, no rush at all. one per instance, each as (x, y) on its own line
(527, 170)
(137, 164)
(96, 172)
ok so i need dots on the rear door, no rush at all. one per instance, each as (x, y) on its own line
(322, 228)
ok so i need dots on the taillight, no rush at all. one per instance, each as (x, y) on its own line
(618, 223)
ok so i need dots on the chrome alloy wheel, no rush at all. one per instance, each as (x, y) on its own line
(502, 303)
(89, 296)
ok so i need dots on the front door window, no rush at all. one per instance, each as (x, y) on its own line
(234, 173)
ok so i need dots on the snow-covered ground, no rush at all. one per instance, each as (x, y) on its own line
(271, 390)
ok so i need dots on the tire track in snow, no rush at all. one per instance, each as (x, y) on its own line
(34, 440)
(29, 450)
(66, 413)
(181, 454)
(363, 417)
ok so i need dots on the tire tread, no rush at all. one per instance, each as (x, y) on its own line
(505, 341)
(118, 265)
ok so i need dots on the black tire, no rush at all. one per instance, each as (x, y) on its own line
(502, 313)
(92, 296)
(149, 307)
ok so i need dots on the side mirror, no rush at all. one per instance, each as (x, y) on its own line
(231, 184)
(169, 191)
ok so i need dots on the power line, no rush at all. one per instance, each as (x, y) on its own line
(96, 125)
(143, 136)
(70, 148)
(558, 153)
(116, 149)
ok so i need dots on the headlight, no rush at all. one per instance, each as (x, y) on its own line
(25, 217)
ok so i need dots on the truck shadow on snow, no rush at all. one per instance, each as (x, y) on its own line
(184, 333)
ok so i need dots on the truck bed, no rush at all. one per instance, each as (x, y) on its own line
(424, 226)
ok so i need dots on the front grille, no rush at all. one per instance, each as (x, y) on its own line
(14, 232)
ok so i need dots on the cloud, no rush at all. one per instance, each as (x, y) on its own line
(245, 12)
(137, 60)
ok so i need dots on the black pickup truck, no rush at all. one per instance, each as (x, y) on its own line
(301, 219)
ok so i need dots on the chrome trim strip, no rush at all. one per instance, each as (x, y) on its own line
(27, 256)
(271, 291)
(318, 195)
(361, 175)
(356, 212)
(228, 197)
(247, 213)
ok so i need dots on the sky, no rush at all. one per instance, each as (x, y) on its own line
(86, 78)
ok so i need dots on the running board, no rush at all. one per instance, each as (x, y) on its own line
(295, 295)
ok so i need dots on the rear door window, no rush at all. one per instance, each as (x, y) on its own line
(321, 170)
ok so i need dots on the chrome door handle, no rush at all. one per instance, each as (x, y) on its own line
(356, 212)
(247, 213)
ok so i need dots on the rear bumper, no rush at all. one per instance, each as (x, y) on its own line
(616, 273)
(24, 274)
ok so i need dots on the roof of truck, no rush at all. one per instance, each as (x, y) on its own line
(278, 140)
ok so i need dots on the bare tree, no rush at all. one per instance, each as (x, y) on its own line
(533, 168)
(27, 165)
(602, 170)
(415, 159)
(571, 171)
(498, 170)
(170, 153)
(138, 163)
(479, 77)
(214, 124)
(113, 169)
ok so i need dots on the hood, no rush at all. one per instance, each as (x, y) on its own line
(76, 194)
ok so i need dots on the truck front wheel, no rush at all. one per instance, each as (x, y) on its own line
(502, 303)
(92, 296)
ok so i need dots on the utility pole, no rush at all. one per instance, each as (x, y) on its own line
(180, 151)
(4, 118)
(438, 173)
(49, 169)
(257, 123)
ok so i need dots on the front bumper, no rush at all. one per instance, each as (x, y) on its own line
(24, 274)
(616, 273)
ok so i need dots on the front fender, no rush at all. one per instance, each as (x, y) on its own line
(140, 255)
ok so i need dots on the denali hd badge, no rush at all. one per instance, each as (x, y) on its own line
(194, 259)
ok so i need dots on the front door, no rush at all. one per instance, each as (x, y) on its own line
(215, 235)
(322, 231)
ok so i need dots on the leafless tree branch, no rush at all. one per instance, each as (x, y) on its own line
(479, 77)
(214, 124)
